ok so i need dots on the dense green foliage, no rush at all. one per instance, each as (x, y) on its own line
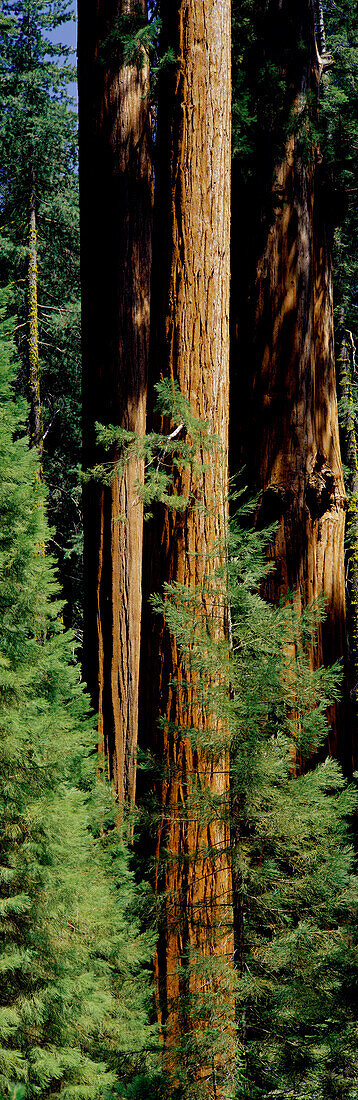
(261, 99)
(38, 134)
(295, 886)
(293, 858)
(74, 994)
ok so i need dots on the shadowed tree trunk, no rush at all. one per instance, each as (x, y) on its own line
(284, 370)
(116, 203)
(191, 346)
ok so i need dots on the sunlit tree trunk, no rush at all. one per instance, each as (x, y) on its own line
(35, 417)
(321, 36)
(191, 346)
(283, 357)
(116, 202)
(346, 362)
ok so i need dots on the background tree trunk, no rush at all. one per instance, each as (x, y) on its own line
(35, 419)
(284, 371)
(321, 36)
(346, 373)
(116, 205)
(191, 346)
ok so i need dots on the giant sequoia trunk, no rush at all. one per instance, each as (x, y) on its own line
(283, 355)
(191, 346)
(116, 200)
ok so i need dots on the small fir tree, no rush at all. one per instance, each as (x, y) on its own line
(295, 886)
(74, 993)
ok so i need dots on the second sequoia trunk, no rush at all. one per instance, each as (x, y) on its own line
(115, 203)
(191, 347)
(283, 355)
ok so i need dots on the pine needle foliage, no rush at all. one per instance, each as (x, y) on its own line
(185, 442)
(290, 818)
(339, 143)
(74, 990)
(132, 38)
(38, 141)
(295, 887)
(264, 39)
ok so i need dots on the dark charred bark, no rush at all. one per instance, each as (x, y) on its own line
(115, 205)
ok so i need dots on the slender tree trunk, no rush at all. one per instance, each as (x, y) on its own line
(321, 36)
(116, 205)
(283, 353)
(191, 346)
(35, 418)
(346, 368)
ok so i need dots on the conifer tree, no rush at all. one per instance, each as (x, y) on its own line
(294, 864)
(295, 882)
(74, 997)
(39, 252)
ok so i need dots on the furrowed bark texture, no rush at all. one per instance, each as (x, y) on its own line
(35, 418)
(283, 352)
(116, 204)
(191, 346)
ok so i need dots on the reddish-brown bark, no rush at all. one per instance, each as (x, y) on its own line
(116, 201)
(191, 346)
(283, 356)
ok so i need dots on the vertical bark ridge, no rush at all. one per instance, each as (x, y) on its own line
(191, 346)
(116, 205)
